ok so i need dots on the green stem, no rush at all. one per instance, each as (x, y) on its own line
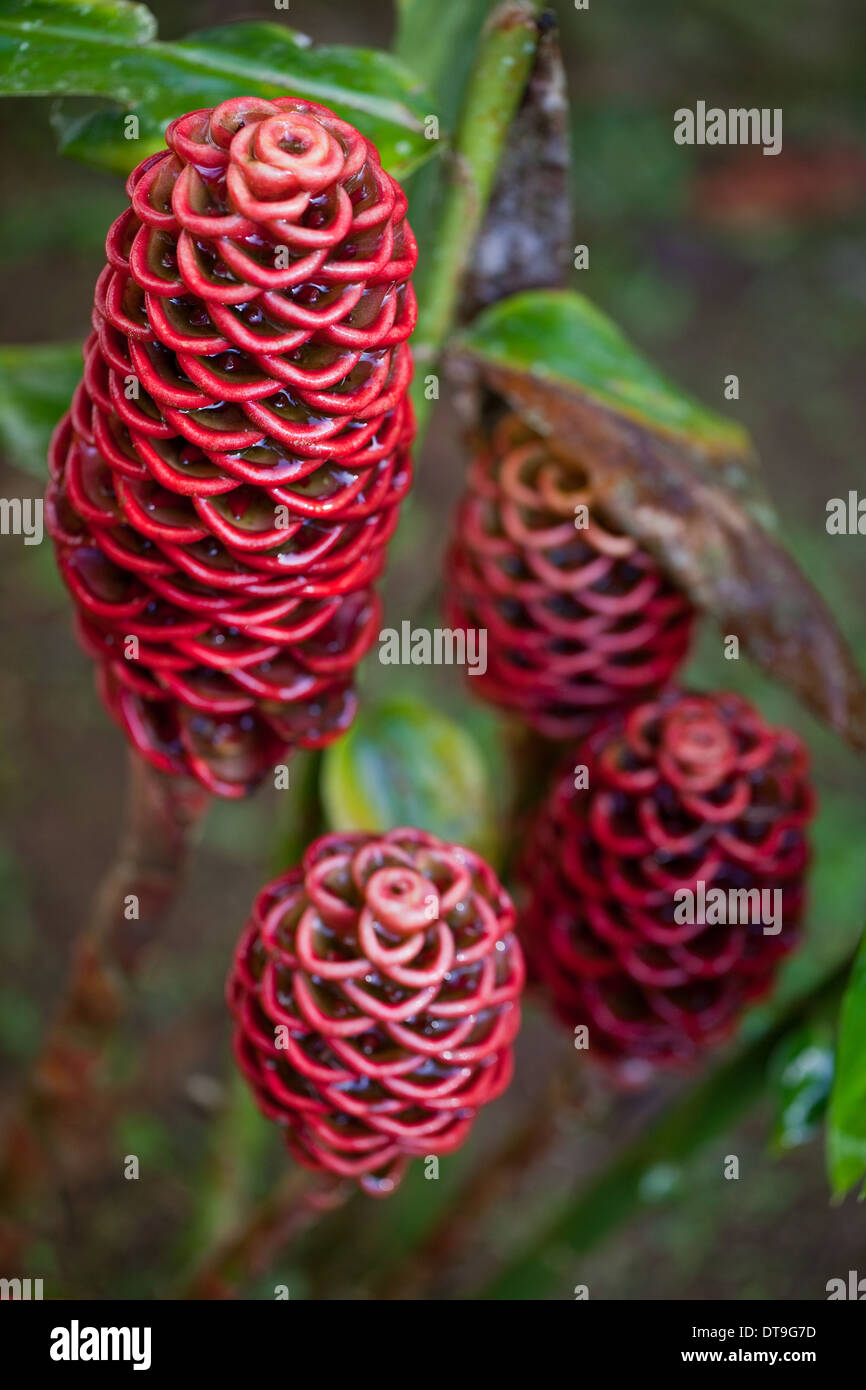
(249, 1251)
(580, 1224)
(502, 68)
(303, 819)
(239, 1139)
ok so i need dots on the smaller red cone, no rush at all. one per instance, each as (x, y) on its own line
(684, 795)
(376, 992)
(579, 619)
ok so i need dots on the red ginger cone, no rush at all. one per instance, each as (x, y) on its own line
(230, 470)
(683, 790)
(376, 996)
(579, 619)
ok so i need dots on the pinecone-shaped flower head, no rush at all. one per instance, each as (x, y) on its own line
(376, 991)
(664, 874)
(231, 467)
(579, 619)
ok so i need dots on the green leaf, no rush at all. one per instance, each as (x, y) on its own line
(53, 46)
(846, 1130)
(402, 763)
(36, 386)
(802, 1073)
(103, 50)
(365, 87)
(27, 26)
(560, 337)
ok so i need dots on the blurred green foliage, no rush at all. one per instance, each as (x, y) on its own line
(846, 1131)
(801, 1075)
(36, 385)
(404, 764)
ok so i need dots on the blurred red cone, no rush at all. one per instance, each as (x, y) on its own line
(578, 618)
(685, 800)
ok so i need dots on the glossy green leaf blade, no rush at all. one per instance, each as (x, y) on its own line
(103, 51)
(559, 336)
(36, 386)
(369, 80)
(52, 46)
(100, 20)
(403, 763)
(846, 1129)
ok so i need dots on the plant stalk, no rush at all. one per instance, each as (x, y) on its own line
(251, 1249)
(58, 1108)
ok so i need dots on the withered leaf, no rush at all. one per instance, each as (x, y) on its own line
(679, 479)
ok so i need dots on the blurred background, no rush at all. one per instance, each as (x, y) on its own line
(713, 261)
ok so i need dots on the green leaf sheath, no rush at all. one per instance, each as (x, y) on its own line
(846, 1129)
(105, 50)
(36, 385)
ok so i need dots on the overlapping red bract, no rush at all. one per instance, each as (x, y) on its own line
(257, 291)
(391, 963)
(681, 789)
(579, 621)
